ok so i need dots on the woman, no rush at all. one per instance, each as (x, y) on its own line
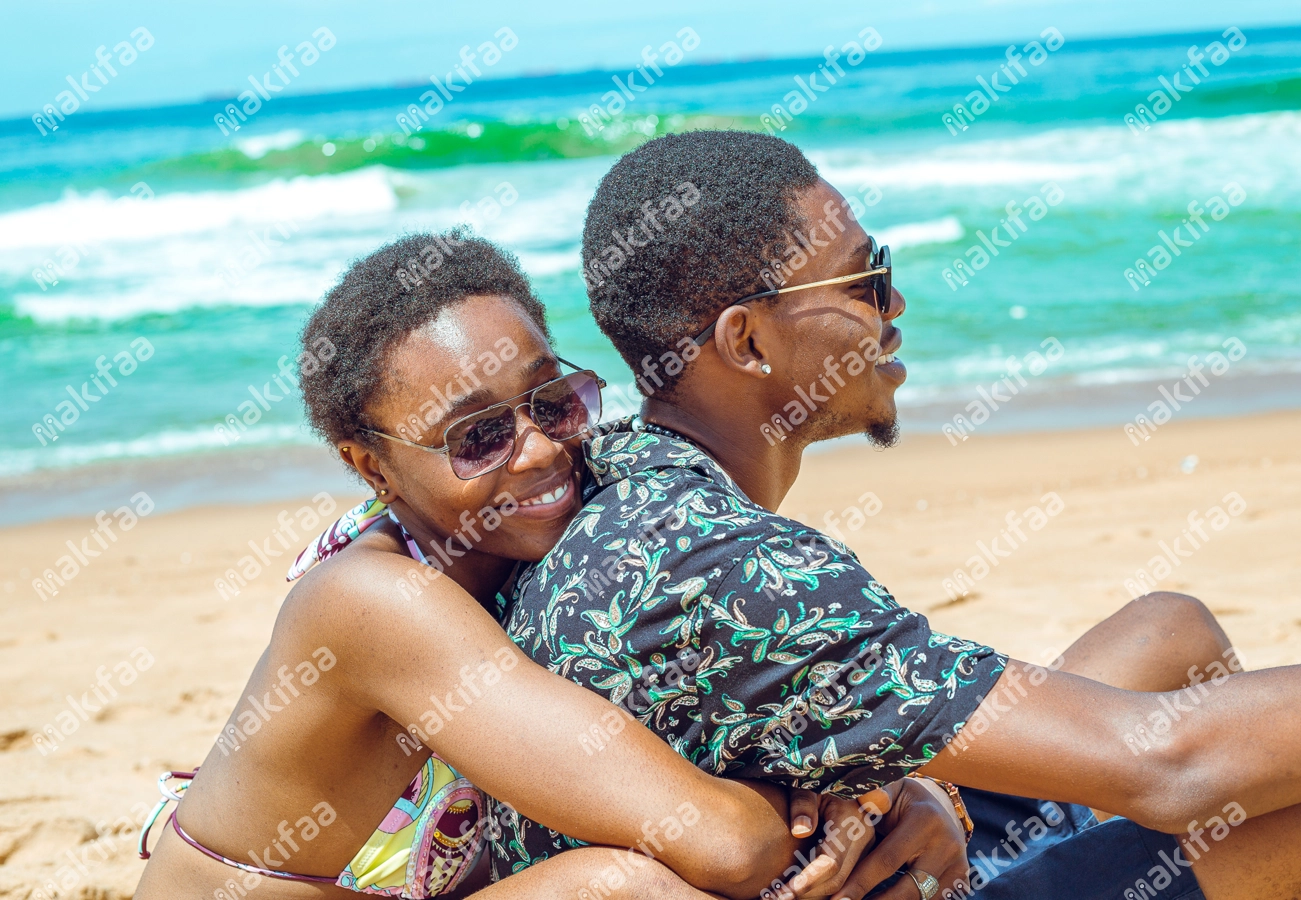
(443, 394)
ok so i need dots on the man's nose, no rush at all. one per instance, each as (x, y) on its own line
(897, 305)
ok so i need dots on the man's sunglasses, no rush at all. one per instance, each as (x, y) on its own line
(877, 268)
(476, 444)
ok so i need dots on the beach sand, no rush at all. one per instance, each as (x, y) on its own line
(153, 589)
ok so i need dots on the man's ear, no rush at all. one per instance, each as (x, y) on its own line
(740, 338)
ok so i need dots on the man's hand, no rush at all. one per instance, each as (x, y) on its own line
(910, 823)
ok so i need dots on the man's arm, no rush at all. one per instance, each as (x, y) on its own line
(1162, 760)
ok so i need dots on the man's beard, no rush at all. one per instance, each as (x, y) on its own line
(883, 434)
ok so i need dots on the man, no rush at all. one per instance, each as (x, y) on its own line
(758, 647)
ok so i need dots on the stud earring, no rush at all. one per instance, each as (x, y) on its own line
(766, 369)
(384, 493)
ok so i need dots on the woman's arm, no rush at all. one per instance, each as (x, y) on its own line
(596, 872)
(440, 662)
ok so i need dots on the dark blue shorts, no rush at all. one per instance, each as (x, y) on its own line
(1026, 849)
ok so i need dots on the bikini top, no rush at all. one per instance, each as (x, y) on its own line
(431, 838)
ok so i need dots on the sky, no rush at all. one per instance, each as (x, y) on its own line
(209, 50)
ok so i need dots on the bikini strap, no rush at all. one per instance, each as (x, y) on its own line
(257, 870)
(169, 796)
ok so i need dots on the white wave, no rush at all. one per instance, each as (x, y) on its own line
(257, 146)
(1179, 155)
(164, 443)
(914, 234)
(97, 217)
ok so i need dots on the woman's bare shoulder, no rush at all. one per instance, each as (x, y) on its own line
(372, 583)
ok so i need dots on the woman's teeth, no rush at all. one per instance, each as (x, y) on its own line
(549, 497)
(885, 359)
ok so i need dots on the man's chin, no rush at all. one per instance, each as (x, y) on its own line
(883, 434)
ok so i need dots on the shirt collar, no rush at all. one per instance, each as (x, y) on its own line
(628, 446)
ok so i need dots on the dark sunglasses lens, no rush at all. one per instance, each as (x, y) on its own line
(883, 282)
(481, 442)
(568, 406)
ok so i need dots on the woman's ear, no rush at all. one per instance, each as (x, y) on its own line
(367, 464)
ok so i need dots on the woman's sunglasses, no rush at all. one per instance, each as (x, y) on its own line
(476, 444)
(877, 268)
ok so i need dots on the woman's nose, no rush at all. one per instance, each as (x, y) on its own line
(533, 449)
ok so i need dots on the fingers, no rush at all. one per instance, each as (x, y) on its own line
(952, 882)
(812, 880)
(803, 812)
(875, 803)
(890, 855)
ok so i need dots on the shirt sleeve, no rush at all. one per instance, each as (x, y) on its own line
(814, 676)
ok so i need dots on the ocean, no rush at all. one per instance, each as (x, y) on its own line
(152, 228)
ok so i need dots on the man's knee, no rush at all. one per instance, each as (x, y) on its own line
(1184, 618)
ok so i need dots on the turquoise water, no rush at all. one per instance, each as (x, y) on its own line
(185, 263)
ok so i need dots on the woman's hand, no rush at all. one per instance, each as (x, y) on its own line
(847, 833)
(910, 823)
(919, 831)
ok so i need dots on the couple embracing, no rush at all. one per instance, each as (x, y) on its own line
(575, 659)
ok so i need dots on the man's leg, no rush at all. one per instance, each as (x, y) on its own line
(1149, 644)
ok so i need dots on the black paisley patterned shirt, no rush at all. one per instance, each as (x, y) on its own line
(755, 646)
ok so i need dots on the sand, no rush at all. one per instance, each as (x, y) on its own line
(153, 589)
